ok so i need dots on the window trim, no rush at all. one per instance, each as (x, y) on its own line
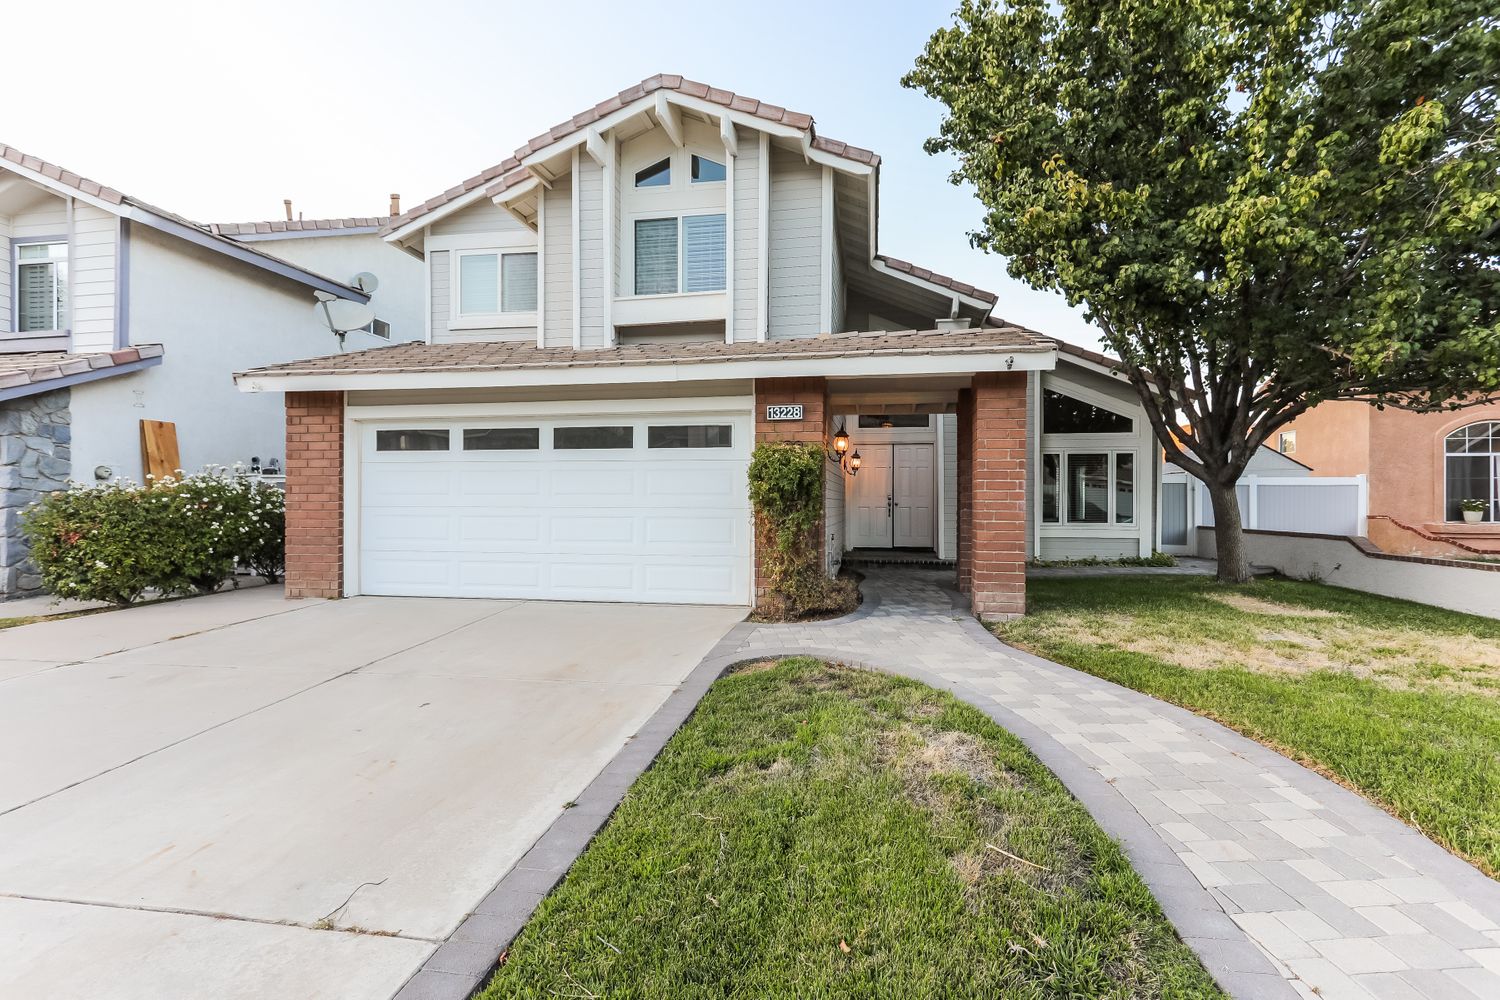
(63, 318)
(678, 215)
(1111, 489)
(501, 319)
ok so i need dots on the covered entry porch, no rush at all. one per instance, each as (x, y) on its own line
(922, 468)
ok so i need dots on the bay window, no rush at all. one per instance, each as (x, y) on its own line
(680, 253)
(491, 283)
(41, 286)
(1088, 487)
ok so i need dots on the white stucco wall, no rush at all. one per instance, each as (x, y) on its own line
(1339, 561)
(399, 300)
(213, 317)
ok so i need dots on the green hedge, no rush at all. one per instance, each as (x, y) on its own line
(115, 541)
(786, 491)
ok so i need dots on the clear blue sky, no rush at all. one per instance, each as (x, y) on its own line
(219, 110)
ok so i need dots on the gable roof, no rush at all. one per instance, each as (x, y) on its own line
(503, 174)
(57, 178)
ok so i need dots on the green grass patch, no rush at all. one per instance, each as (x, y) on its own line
(816, 831)
(6, 623)
(1398, 700)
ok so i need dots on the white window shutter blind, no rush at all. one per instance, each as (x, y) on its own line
(518, 276)
(703, 253)
(479, 283)
(655, 256)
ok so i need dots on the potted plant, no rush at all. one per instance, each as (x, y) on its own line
(1473, 509)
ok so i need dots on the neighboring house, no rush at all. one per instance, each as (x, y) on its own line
(619, 312)
(113, 311)
(343, 248)
(1420, 466)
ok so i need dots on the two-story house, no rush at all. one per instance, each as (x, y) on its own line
(113, 311)
(619, 312)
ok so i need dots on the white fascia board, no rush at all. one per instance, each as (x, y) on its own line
(519, 190)
(63, 190)
(934, 363)
(302, 234)
(426, 219)
(911, 279)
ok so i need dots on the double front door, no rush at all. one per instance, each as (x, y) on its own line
(891, 503)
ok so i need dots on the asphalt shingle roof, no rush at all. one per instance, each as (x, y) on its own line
(473, 357)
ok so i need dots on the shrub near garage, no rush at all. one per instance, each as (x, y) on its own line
(115, 541)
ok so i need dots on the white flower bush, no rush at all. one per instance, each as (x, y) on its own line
(176, 535)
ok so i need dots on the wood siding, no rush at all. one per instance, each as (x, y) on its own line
(591, 286)
(482, 217)
(91, 278)
(745, 309)
(557, 279)
(795, 241)
(442, 286)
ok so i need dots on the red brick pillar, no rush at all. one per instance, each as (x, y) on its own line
(813, 428)
(998, 495)
(965, 498)
(315, 494)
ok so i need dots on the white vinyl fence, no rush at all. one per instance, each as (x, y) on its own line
(1312, 505)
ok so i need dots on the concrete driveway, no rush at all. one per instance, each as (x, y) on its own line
(243, 796)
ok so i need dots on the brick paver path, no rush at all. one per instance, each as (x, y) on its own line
(1283, 882)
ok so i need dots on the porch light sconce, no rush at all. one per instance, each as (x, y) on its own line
(840, 455)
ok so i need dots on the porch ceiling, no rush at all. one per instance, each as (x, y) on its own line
(932, 394)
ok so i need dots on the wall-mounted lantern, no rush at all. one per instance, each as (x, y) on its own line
(840, 455)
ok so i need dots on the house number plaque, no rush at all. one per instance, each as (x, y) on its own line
(784, 411)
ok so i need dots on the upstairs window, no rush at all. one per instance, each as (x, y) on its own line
(659, 174)
(684, 253)
(491, 282)
(41, 286)
(1066, 415)
(705, 171)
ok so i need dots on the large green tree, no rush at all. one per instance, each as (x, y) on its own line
(1262, 204)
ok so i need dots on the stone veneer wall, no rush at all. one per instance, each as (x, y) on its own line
(35, 459)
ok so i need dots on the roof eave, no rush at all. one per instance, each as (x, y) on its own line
(934, 362)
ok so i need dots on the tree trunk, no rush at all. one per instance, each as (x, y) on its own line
(1229, 536)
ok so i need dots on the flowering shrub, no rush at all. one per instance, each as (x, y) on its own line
(115, 541)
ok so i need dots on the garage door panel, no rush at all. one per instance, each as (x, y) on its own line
(614, 481)
(639, 524)
(480, 485)
(399, 484)
(685, 484)
(478, 529)
(717, 532)
(400, 529)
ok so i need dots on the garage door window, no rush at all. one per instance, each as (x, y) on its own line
(502, 439)
(411, 440)
(689, 436)
(583, 438)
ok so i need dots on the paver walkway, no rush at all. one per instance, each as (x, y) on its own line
(1283, 882)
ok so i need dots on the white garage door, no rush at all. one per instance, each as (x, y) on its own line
(602, 508)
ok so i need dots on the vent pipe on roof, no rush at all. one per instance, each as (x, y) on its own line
(288, 203)
(395, 204)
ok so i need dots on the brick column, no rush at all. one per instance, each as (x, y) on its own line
(965, 499)
(813, 428)
(997, 494)
(315, 494)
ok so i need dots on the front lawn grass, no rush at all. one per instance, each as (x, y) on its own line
(816, 831)
(1398, 700)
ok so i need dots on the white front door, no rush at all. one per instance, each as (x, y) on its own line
(892, 500)
(869, 505)
(609, 507)
(914, 499)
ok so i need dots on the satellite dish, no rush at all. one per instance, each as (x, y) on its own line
(342, 315)
(365, 282)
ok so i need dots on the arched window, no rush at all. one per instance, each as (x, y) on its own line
(1472, 469)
